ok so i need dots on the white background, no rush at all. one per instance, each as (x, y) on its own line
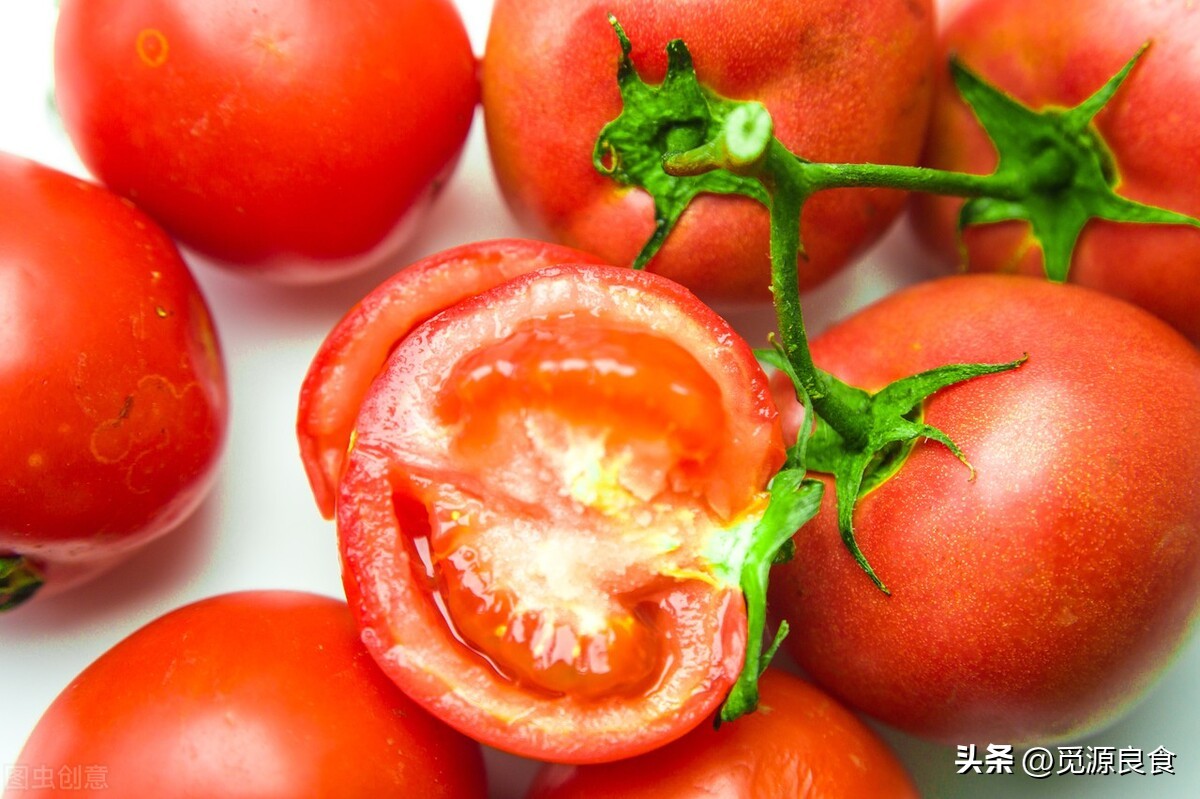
(259, 529)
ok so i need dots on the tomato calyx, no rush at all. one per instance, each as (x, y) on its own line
(20, 578)
(895, 424)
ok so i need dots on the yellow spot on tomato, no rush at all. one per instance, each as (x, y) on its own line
(37, 460)
(151, 46)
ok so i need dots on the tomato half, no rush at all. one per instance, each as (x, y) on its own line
(844, 81)
(264, 694)
(1058, 54)
(534, 490)
(357, 348)
(111, 378)
(799, 743)
(298, 139)
(1039, 599)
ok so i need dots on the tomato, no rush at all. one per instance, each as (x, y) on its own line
(290, 138)
(528, 514)
(111, 378)
(356, 349)
(844, 81)
(253, 694)
(799, 743)
(1058, 54)
(1039, 599)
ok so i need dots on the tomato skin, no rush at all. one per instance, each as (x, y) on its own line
(1059, 54)
(287, 139)
(843, 82)
(111, 377)
(357, 348)
(1039, 600)
(798, 743)
(253, 694)
(420, 481)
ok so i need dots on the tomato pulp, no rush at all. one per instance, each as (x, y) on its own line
(534, 486)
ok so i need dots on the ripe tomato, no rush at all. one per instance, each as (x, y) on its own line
(291, 138)
(1058, 54)
(529, 513)
(799, 743)
(356, 350)
(111, 378)
(844, 81)
(255, 694)
(1038, 600)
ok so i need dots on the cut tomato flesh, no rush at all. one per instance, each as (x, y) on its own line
(531, 501)
(613, 428)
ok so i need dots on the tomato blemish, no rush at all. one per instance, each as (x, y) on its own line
(151, 47)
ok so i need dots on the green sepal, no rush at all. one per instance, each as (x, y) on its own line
(895, 415)
(656, 121)
(794, 500)
(20, 579)
(1060, 172)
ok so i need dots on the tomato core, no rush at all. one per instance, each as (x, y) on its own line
(592, 448)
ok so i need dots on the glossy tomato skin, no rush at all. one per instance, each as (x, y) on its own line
(294, 140)
(254, 694)
(357, 348)
(527, 510)
(798, 743)
(1039, 600)
(1058, 55)
(111, 377)
(843, 81)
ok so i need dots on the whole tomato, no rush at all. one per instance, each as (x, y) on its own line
(111, 381)
(1038, 598)
(534, 495)
(298, 139)
(799, 743)
(1058, 54)
(843, 80)
(264, 694)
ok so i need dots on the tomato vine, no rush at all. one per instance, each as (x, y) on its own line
(678, 139)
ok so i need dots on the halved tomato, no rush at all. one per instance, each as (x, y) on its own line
(539, 487)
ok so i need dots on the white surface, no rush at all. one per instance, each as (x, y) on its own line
(259, 529)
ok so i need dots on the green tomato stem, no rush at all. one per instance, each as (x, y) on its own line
(910, 178)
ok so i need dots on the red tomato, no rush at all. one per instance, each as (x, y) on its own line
(534, 490)
(1058, 54)
(256, 694)
(111, 377)
(844, 81)
(292, 138)
(800, 743)
(356, 349)
(1040, 599)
